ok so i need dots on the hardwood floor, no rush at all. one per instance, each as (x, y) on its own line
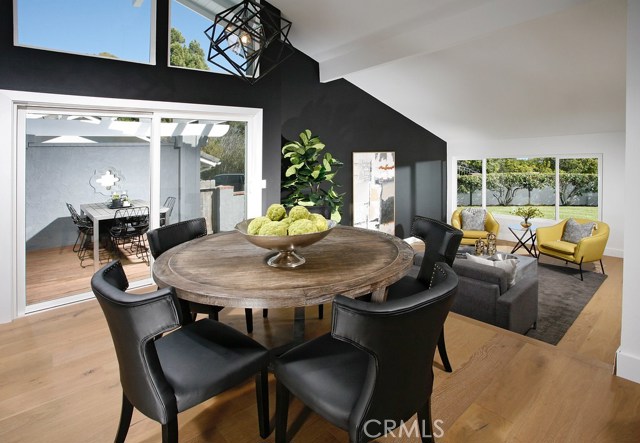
(59, 382)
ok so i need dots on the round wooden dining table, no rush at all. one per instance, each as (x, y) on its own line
(224, 269)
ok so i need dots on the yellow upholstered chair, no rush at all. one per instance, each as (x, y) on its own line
(588, 249)
(470, 237)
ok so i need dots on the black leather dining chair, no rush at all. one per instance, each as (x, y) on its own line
(166, 237)
(441, 244)
(374, 370)
(162, 375)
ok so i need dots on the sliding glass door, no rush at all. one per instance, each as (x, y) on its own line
(83, 171)
(80, 168)
(203, 171)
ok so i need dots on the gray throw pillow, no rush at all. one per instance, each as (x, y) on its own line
(574, 231)
(510, 266)
(473, 219)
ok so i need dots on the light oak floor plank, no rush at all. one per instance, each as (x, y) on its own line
(59, 382)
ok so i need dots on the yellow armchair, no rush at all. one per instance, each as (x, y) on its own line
(589, 249)
(470, 237)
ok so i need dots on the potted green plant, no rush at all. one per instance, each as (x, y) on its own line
(527, 212)
(309, 175)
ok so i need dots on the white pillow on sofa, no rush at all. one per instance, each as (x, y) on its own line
(510, 266)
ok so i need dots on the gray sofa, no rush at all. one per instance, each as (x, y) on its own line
(483, 293)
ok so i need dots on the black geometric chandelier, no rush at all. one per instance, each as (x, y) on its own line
(249, 40)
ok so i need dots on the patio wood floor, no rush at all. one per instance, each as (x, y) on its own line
(55, 273)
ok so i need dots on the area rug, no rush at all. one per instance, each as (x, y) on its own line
(561, 298)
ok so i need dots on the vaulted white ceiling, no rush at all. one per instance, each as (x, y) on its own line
(476, 69)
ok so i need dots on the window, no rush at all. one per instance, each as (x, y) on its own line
(119, 29)
(560, 187)
(578, 188)
(470, 183)
(188, 45)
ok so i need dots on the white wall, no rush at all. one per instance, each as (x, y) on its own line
(628, 357)
(610, 145)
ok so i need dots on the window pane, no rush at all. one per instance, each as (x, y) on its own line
(513, 183)
(189, 45)
(203, 168)
(469, 183)
(118, 29)
(579, 188)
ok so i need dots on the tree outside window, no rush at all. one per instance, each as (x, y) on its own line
(512, 183)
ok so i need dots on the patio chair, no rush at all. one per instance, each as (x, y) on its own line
(82, 245)
(128, 231)
(165, 216)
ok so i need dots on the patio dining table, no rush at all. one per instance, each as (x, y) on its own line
(101, 211)
(226, 270)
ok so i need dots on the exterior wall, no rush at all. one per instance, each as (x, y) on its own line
(221, 206)
(545, 196)
(58, 174)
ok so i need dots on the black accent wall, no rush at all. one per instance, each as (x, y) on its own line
(346, 118)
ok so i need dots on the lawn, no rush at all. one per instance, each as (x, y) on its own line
(587, 212)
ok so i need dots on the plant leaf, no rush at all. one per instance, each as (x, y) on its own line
(290, 171)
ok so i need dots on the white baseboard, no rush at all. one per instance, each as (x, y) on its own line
(614, 252)
(628, 366)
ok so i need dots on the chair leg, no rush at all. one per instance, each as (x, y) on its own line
(262, 397)
(601, 266)
(75, 245)
(282, 412)
(265, 313)
(442, 350)
(424, 420)
(170, 431)
(320, 312)
(581, 277)
(125, 419)
(248, 314)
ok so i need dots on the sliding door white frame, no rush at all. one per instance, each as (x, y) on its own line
(12, 194)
